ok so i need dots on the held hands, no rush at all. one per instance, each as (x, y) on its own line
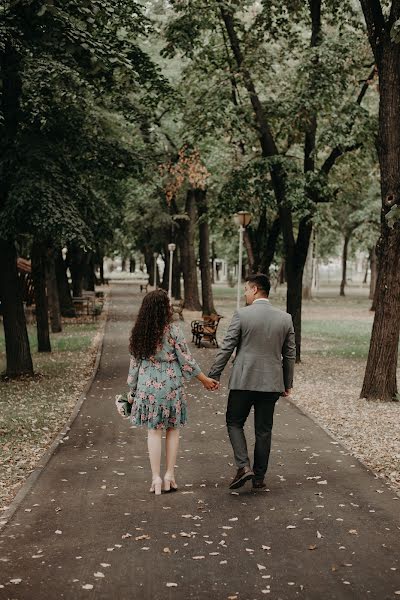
(210, 384)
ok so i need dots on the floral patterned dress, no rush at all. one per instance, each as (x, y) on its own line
(156, 383)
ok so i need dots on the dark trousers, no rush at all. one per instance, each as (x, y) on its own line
(238, 409)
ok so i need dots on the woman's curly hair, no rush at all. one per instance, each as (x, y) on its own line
(154, 315)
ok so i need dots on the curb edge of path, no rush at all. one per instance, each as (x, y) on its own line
(314, 419)
(34, 476)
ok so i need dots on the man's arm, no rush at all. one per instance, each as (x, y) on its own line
(230, 342)
(289, 357)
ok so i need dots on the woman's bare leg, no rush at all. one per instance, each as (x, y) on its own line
(171, 445)
(154, 447)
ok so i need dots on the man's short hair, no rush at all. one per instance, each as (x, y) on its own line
(261, 281)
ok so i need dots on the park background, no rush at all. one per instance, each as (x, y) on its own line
(127, 127)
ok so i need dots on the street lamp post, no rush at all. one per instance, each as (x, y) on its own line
(171, 248)
(242, 219)
(155, 256)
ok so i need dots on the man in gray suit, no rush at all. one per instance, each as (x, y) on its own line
(263, 370)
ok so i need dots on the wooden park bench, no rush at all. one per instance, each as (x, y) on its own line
(206, 329)
(89, 303)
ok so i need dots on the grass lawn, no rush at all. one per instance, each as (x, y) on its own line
(346, 339)
(33, 410)
(74, 337)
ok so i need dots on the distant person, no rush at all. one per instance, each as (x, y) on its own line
(160, 360)
(263, 370)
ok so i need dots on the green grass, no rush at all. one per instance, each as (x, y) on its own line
(345, 339)
(74, 337)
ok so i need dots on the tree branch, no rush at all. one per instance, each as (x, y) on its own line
(340, 150)
(267, 140)
(311, 128)
(375, 22)
(335, 154)
(366, 85)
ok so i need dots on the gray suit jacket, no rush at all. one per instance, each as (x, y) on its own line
(264, 338)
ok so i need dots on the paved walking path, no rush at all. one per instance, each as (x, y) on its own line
(326, 529)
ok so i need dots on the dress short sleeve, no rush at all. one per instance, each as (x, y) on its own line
(187, 363)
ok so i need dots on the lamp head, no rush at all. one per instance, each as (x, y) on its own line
(171, 247)
(242, 218)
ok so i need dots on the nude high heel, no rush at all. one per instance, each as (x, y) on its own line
(156, 486)
(169, 484)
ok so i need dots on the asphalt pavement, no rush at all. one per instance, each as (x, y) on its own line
(325, 529)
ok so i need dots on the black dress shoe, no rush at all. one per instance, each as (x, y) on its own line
(243, 475)
(258, 484)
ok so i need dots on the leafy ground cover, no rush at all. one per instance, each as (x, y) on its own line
(33, 410)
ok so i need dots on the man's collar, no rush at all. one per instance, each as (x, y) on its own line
(261, 299)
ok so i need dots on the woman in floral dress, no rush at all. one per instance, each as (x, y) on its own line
(160, 361)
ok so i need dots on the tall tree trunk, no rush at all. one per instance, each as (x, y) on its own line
(165, 255)
(52, 290)
(204, 252)
(76, 263)
(188, 257)
(367, 266)
(344, 264)
(294, 276)
(374, 273)
(308, 273)
(282, 272)
(18, 354)
(19, 360)
(268, 250)
(41, 306)
(64, 292)
(100, 262)
(214, 272)
(248, 244)
(176, 275)
(380, 374)
(89, 276)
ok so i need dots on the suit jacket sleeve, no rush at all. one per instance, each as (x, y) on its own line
(231, 341)
(289, 357)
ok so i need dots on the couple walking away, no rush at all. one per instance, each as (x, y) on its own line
(263, 338)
